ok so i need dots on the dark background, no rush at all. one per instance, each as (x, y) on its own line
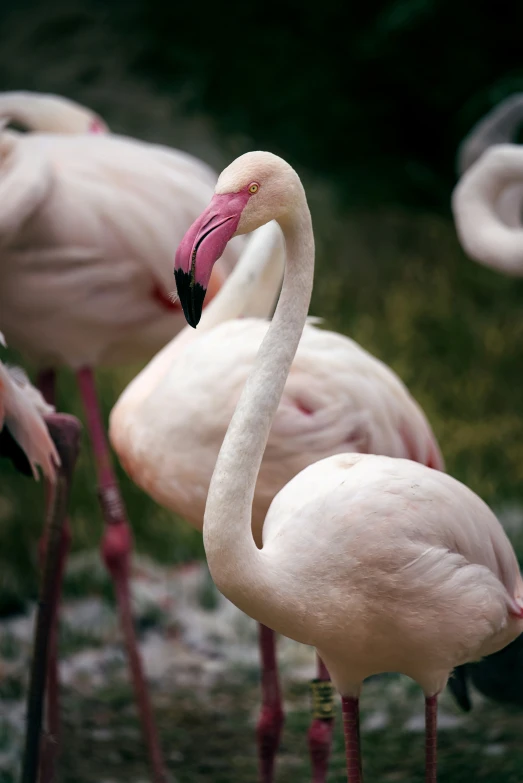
(375, 95)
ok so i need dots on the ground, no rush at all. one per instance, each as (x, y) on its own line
(201, 659)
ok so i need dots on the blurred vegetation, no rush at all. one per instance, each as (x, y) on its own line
(369, 101)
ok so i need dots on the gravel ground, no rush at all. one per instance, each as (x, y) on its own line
(201, 659)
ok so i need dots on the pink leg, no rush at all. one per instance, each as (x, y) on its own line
(271, 719)
(351, 728)
(431, 739)
(50, 743)
(116, 553)
(320, 731)
(50, 746)
(65, 431)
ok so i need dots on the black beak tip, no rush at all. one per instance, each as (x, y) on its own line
(191, 296)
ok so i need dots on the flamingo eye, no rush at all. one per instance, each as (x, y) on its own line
(254, 188)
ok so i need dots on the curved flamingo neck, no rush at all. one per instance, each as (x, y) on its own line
(498, 127)
(250, 291)
(252, 287)
(485, 236)
(238, 567)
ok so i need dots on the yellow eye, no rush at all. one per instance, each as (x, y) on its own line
(254, 187)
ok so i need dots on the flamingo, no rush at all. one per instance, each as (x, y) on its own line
(86, 232)
(380, 563)
(499, 126)
(483, 231)
(169, 423)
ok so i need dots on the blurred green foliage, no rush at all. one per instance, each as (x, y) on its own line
(369, 101)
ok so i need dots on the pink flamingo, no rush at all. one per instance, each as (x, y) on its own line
(499, 126)
(168, 426)
(487, 233)
(86, 232)
(381, 564)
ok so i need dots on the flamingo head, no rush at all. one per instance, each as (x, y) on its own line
(256, 188)
(49, 113)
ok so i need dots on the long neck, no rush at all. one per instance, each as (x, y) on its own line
(238, 567)
(498, 127)
(491, 188)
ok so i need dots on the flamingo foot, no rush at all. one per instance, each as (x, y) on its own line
(116, 553)
(351, 729)
(65, 431)
(321, 728)
(431, 739)
(271, 719)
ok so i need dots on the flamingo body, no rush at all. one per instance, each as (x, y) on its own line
(484, 232)
(337, 398)
(86, 237)
(424, 577)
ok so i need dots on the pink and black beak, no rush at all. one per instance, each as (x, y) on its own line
(202, 246)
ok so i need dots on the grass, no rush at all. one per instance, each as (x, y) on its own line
(213, 738)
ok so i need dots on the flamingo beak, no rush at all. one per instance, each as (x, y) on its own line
(201, 247)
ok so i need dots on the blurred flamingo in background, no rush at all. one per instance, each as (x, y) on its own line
(169, 423)
(500, 126)
(381, 564)
(484, 233)
(87, 228)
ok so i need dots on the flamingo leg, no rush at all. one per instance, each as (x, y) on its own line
(320, 731)
(50, 743)
(65, 431)
(50, 746)
(271, 719)
(351, 729)
(431, 739)
(116, 553)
